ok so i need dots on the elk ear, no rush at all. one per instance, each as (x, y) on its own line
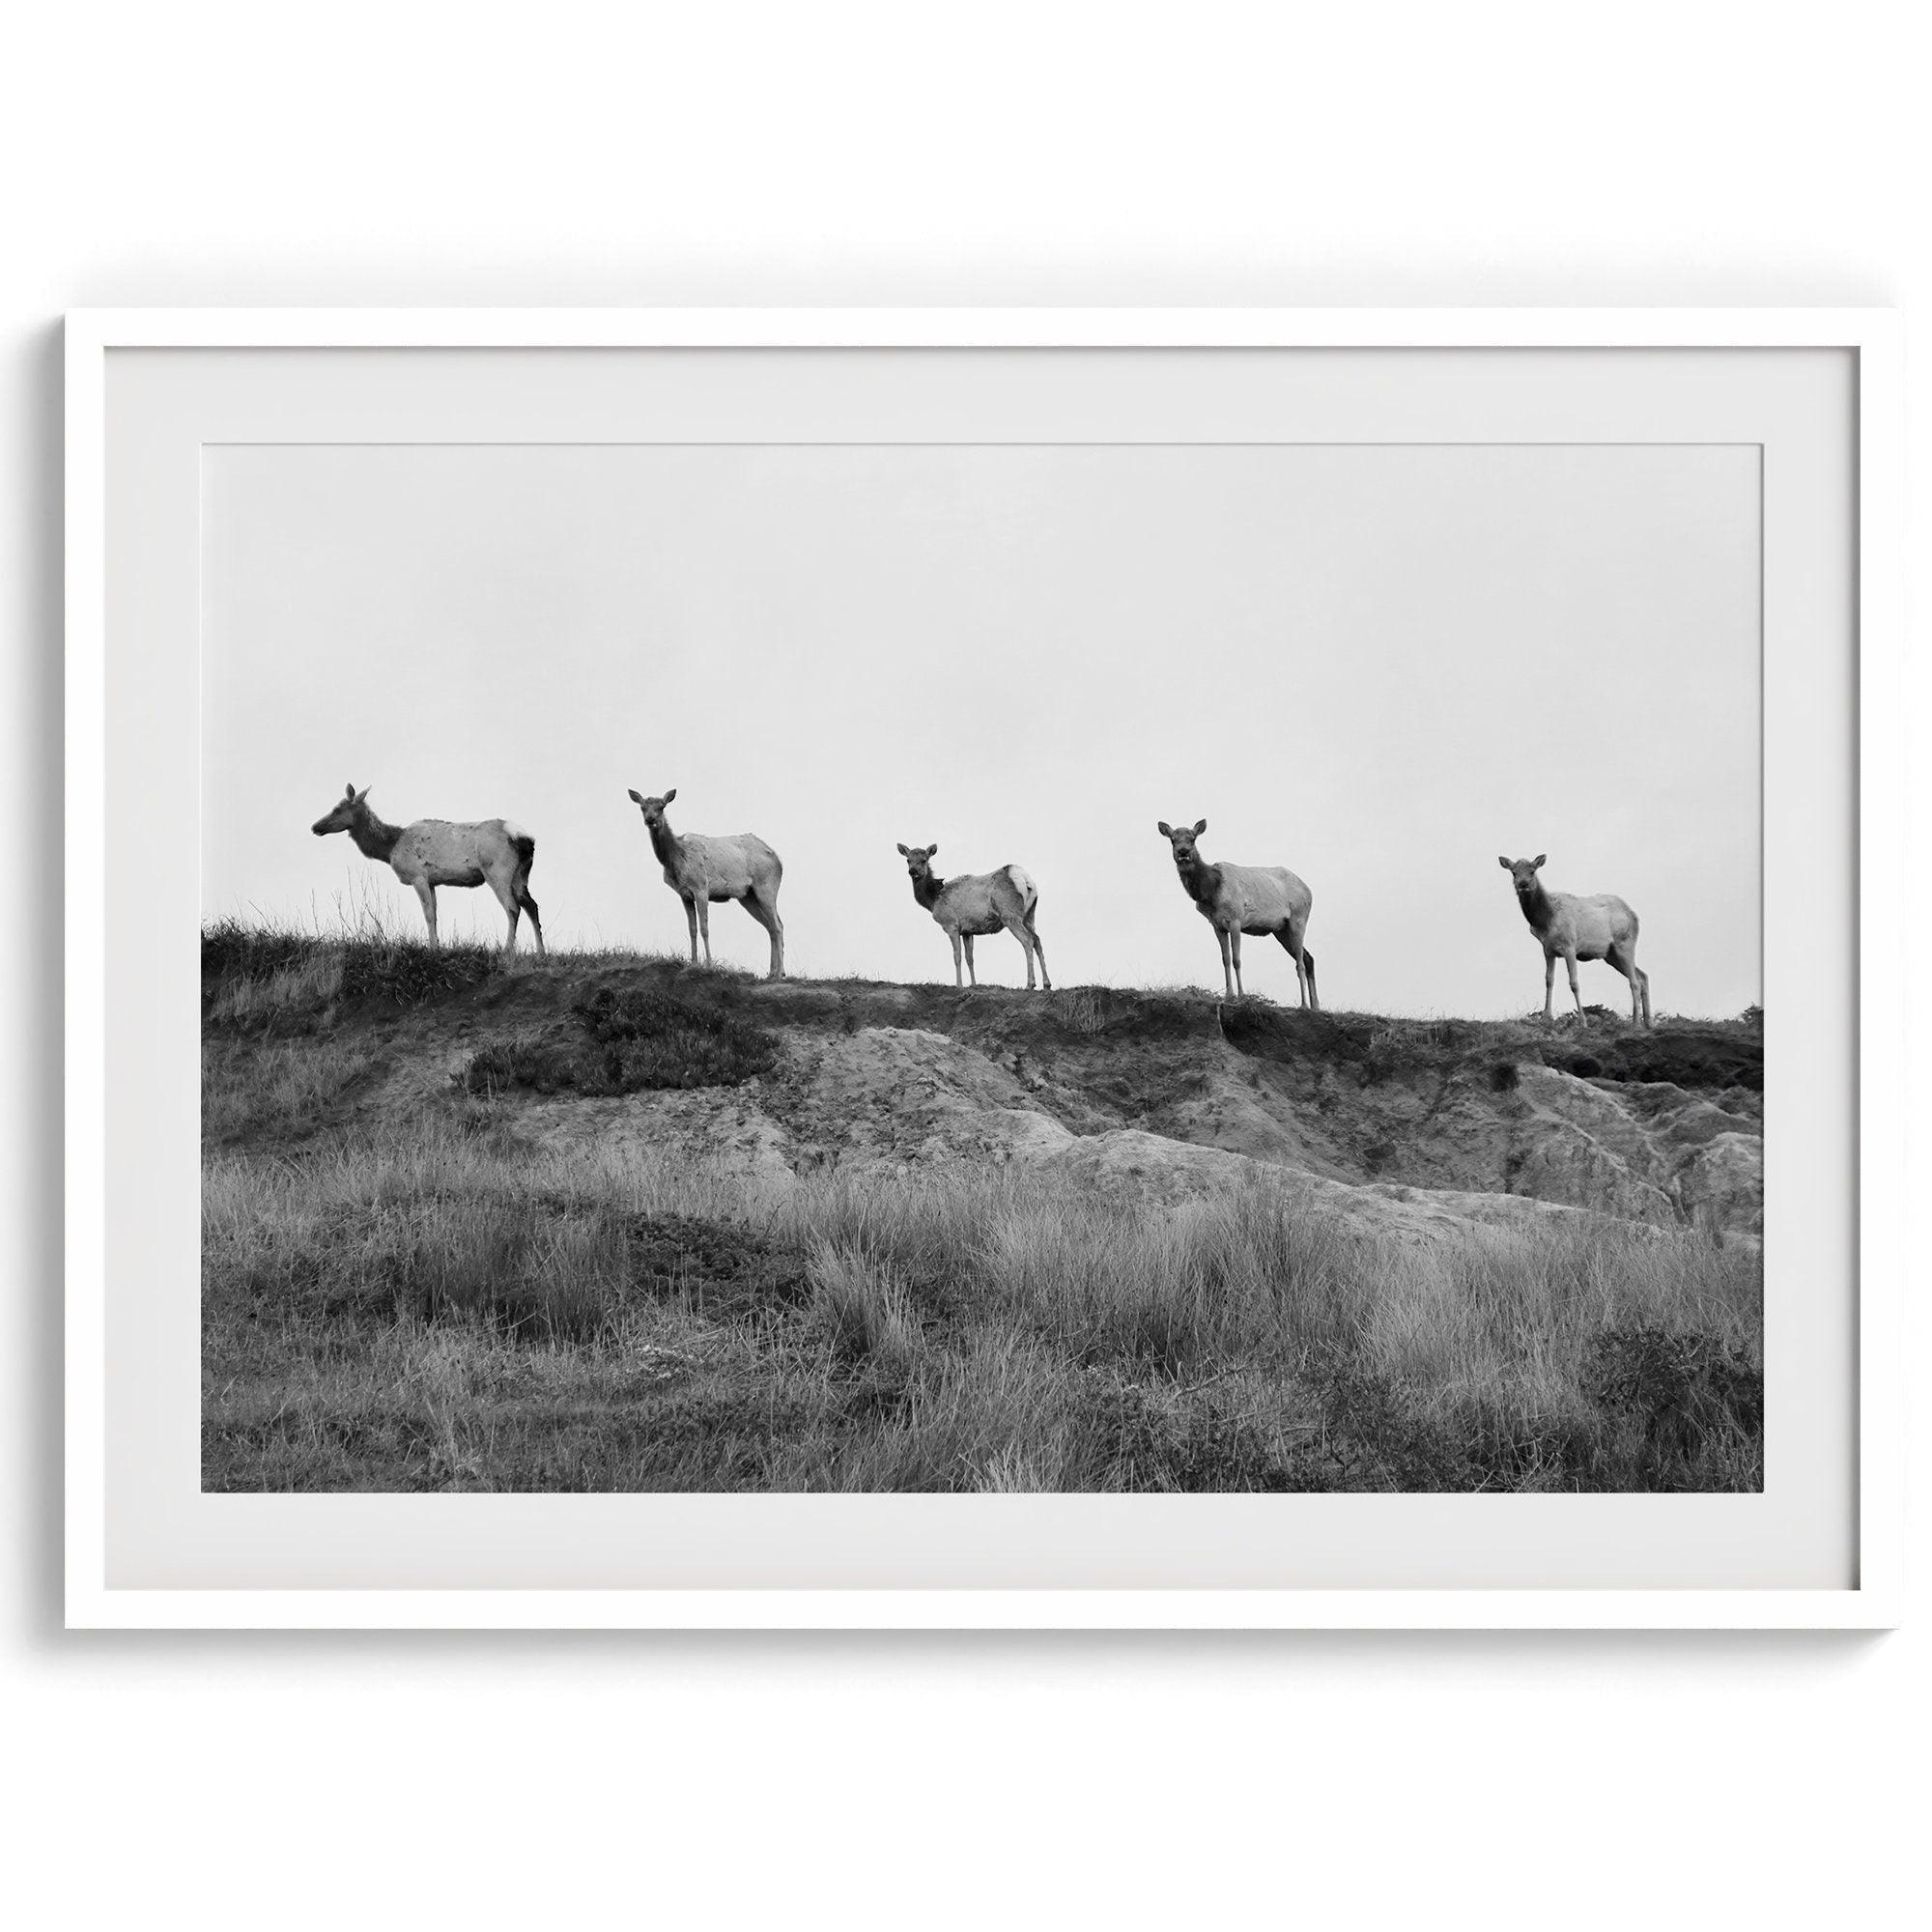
(349, 790)
(1165, 829)
(1540, 860)
(1199, 826)
(636, 798)
(903, 853)
(1502, 862)
(670, 794)
(930, 850)
(362, 795)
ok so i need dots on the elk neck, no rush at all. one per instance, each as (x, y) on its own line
(926, 888)
(374, 838)
(1201, 879)
(665, 842)
(1534, 900)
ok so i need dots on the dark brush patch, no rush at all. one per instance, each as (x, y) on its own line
(1680, 1387)
(626, 1041)
(722, 1270)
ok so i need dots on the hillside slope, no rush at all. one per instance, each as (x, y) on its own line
(1406, 1129)
(606, 1223)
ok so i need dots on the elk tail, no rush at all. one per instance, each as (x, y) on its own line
(526, 848)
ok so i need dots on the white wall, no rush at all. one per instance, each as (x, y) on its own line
(200, 153)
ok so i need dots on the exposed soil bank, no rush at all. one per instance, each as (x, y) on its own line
(1408, 1126)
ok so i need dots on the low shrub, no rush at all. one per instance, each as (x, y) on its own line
(1137, 1438)
(625, 1043)
(253, 972)
(1681, 1387)
(721, 1270)
(407, 972)
(233, 951)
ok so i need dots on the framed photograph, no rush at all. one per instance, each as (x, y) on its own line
(983, 968)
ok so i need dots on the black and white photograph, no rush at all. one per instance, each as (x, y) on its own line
(962, 966)
(981, 968)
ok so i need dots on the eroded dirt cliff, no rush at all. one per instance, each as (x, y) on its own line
(1410, 1126)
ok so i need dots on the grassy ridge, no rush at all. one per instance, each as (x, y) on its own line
(255, 978)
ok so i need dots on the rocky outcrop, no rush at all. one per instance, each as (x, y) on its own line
(1411, 1153)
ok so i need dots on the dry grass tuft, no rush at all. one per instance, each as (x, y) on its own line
(862, 1308)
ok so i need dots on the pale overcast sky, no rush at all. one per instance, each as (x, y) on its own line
(1381, 666)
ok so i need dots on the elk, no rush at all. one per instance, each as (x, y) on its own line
(432, 852)
(1573, 926)
(704, 869)
(1267, 902)
(976, 904)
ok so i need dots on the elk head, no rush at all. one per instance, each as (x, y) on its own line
(341, 816)
(918, 861)
(1182, 837)
(1522, 871)
(653, 808)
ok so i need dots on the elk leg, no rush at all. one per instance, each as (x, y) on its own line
(1227, 973)
(506, 897)
(767, 915)
(1291, 944)
(971, 975)
(1624, 959)
(778, 933)
(1549, 984)
(529, 906)
(690, 920)
(426, 893)
(1017, 927)
(1235, 940)
(1569, 961)
(958, 978)
(1042, 951)
(703, 905)
(1614, 959)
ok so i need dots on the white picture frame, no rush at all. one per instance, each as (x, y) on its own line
(1871, 1593)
